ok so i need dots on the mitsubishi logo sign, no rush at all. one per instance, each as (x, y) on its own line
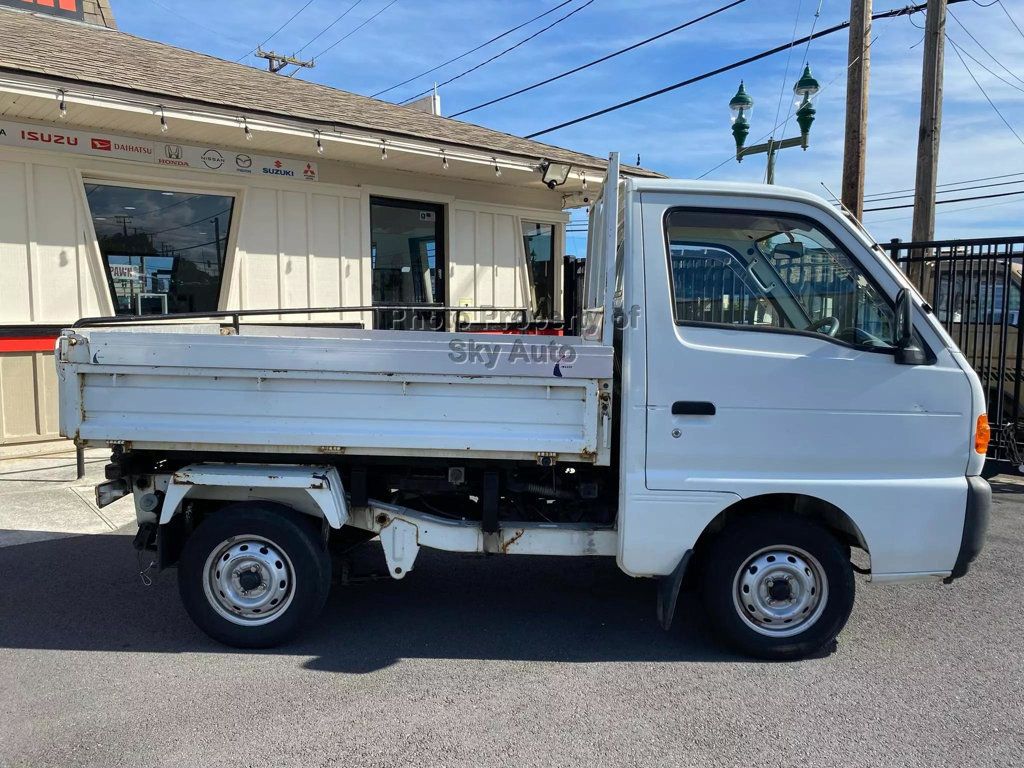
(69, 9)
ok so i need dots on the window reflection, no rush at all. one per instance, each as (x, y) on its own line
(539, 241)
(747, 269)
(164, 251)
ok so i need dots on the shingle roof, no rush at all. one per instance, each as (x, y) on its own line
(98, 12)
(76, 52)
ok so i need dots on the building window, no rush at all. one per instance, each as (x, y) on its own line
(164, 251)
(539, 242)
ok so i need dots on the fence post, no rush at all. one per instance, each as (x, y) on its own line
(894, 252)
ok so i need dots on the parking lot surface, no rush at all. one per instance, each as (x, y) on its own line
(487, 661)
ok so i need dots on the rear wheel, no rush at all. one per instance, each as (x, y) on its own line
(778, 587)
(253, 575)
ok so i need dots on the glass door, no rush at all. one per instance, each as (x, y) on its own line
(407, 253)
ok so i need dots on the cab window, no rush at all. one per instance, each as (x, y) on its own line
(765, 271)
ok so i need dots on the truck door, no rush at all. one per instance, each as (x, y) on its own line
(771, 363)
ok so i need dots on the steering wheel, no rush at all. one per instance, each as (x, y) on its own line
(827, 325)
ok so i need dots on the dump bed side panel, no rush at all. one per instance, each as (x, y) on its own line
(465, 395)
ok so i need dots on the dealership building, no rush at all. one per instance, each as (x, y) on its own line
(141, 178)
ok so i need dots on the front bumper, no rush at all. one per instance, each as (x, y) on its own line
(979, 506)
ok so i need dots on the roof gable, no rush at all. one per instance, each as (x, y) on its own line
(48, 47)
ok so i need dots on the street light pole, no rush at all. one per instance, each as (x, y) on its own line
(741, 105)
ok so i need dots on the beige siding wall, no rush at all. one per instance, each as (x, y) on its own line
(300, 249)
(28, 397)
(488, 261)
(48, 271)
(49, 275)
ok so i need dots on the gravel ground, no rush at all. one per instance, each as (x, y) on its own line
(519, 662)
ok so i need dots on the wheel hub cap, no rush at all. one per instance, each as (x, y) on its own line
(248, 580)
(780, 591)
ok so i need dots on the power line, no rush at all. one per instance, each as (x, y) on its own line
(1012, 21)
(807, 50)
(348, 35)
(952, 183)
(955, 189)
(198, 245)
(983, 93)
(601, 59)
(785, 76)
(996, 75)
(953, 200)
(736, 64)
(535, 35)
(472, 50)
(330, 26)
(274, 33)
(955, 210)
(210, 217)
(977, 42)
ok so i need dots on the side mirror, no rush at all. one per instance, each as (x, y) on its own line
(908, 351)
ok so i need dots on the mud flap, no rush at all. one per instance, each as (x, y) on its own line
(668, 591)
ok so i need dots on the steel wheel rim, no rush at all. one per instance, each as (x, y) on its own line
(249, 580)
(780, 591)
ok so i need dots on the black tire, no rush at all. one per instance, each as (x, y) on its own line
(305, 571)
(768, 536)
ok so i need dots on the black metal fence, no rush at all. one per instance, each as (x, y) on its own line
(974, 288)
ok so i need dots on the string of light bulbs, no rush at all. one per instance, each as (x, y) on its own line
(319, 136)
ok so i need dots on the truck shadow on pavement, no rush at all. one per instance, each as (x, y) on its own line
(85, 593)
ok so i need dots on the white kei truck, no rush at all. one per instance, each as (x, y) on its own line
(755, 391)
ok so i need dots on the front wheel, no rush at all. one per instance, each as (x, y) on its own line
(252, 575)
(778, 587)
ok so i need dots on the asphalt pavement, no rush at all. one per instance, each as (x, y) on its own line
(477, 661)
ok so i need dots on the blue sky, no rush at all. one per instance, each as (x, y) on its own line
(684, 133)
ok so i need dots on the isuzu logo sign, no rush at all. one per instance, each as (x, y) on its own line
(45, 137)
(208, 159)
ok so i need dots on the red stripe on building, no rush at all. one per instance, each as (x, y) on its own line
(27, 344)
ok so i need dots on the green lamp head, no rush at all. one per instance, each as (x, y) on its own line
(806, 86)
(740, 105)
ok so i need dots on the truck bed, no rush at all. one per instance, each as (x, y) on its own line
(280, 389)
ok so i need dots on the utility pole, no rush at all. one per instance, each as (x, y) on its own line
(931, 123)
(276, 61)
(857, 75)
(123, 221)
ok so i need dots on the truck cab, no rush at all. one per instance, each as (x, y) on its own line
(755, 392)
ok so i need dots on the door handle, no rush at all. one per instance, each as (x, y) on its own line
(693, 408)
